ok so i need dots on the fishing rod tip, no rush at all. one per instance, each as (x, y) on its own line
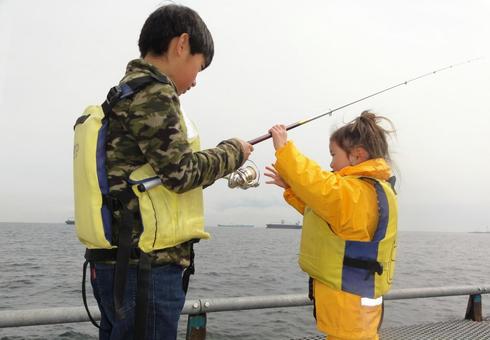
(475, 59)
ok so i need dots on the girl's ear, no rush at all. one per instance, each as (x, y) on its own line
(359, 155)
(363, 154)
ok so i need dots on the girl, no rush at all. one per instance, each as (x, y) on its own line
(348, 240)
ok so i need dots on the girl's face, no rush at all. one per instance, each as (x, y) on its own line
(340, 158)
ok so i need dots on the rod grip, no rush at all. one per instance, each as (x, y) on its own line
(268, 135)
(260, 139)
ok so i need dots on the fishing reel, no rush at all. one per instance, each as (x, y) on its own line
(245, 177)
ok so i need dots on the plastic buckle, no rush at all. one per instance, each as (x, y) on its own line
(114, 94)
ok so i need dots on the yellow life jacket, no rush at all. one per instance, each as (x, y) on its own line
(168, 218)
(93, 218)
(362, 268)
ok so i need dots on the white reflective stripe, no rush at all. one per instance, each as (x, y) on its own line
(371, 302)
(191, 128)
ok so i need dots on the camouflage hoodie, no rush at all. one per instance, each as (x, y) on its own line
(146, 129)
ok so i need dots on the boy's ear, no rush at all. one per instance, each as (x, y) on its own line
(182, 43)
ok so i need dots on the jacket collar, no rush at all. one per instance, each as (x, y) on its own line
(142, 66)
(377, 168)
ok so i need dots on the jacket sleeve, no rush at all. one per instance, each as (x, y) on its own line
(294, 201)
(153, 120)
(329, 195)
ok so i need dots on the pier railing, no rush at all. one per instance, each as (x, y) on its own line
(197, 308)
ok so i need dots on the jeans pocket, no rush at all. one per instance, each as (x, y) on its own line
(103, 286)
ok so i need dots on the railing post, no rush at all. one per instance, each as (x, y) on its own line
(474, 310)
(196, 327)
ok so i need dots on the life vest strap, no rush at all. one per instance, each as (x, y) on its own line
(188, 271)
(117, 93)
(108, 255)
(112, 203)
(392, 181)
(80, 120)
(311, 294)
(122, 261)
(371, 266)
(143, 284)
(119, 201)
(84, 294)
(126, 90)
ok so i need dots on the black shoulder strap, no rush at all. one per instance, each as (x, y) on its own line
(122, 91)
(117, 93)
(127, 89)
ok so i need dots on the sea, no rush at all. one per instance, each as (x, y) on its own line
(41, 267)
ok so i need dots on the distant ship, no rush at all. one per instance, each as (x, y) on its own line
(236, 225)
(283, 225)
(70, 221)
(487, 231)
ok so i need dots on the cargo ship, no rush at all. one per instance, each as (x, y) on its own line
(236, 225)
(283, 225)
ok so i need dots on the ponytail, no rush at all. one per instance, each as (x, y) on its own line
(365, 131)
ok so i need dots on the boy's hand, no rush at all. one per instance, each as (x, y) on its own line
(279, 136)
(276, 179)
(247, 149)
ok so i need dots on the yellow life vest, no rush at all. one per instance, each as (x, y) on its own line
(93, 218)
(362, 268)
(168, 218)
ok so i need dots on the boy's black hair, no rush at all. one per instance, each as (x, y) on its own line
(170, 21)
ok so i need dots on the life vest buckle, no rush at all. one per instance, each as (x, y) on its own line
(112, 203)
(114, 94)
(371, 266)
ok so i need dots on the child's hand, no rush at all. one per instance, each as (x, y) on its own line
(246, 148)
(276, 179)
(279, 136)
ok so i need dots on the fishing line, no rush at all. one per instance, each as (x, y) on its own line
(302, 122)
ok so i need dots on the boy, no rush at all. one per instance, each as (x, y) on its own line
(148, 131)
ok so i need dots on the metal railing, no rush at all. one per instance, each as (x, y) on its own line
(197, 308)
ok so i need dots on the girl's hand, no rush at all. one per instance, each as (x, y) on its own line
(279, 136)
(276, 179)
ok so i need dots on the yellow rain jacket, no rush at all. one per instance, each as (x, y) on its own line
(346, 207)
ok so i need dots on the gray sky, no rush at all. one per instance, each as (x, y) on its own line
(275, 62)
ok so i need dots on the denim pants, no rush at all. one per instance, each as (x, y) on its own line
(165, 302)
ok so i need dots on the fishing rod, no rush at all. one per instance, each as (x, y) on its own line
(248, 176)
(302, 122)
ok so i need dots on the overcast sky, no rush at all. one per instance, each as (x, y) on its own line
(275, 62)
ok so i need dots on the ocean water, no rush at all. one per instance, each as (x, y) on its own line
(41, 266)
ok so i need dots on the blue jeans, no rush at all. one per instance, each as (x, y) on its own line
(165, 302)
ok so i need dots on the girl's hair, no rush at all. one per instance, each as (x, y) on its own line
(366, 132)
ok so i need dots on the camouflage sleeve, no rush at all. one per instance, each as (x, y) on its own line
(153, 121)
